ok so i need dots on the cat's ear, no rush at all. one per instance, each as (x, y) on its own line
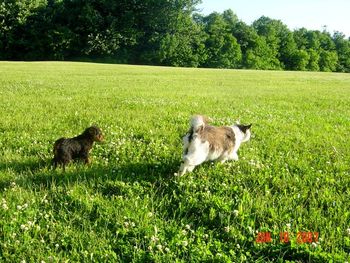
(244, 128)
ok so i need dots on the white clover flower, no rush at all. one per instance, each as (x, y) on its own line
(314, 245)
(57, 245)
(184, 232)
(149, 248)
(167, 249)
(184, 243)
(13, 184)
(159, 247)
(188, 227)
(24, 227)
(154, 239)
(250, 229)
(30, 223)
(205, 236)
(126, 224)
(238, 246)
(227, 229)
(25, 206)
(288, 225)
(19, 207)
(235, 212)
(4, 206)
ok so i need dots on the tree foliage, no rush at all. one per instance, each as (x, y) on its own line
(162, 32)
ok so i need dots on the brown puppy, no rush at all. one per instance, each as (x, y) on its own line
(67, 149)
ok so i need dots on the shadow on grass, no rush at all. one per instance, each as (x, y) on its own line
(21, 169)
(159, 180)
(32, 165)
(40, 174)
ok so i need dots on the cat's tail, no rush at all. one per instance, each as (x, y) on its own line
(198, 123)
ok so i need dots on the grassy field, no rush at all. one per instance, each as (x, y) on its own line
(293, 175)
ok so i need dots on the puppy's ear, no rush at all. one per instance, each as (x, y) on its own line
(90, 130)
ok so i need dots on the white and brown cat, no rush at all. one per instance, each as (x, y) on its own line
(207, 143)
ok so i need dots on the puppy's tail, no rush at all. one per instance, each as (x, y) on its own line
(198, 122)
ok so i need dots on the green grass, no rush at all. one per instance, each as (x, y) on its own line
(129, 206)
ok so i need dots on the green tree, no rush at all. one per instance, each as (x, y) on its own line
(314, 58)
(301, 38)
(159, 22)
(222, 47)
(328, 60)
(343, 50)
(256, 52)
(14, 16)
(185, 47)
(279, 38)
(300, 60)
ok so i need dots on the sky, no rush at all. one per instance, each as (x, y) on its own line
(311, 14)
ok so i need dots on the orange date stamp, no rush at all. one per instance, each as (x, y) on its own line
(302, 237)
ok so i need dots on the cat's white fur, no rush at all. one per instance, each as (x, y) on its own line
(207, 143)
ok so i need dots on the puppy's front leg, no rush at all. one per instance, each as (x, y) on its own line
(85, 157)
(54, 163)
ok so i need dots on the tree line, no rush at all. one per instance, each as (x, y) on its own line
(162, 32)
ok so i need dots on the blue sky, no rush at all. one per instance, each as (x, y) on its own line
(311, 14)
